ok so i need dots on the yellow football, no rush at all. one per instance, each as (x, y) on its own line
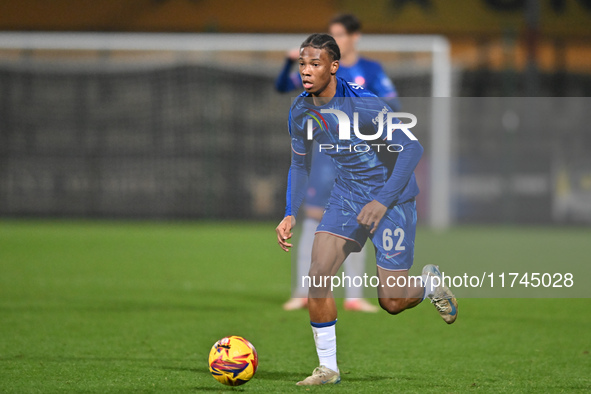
(233, 361)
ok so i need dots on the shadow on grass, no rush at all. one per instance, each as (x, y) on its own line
(221, 389)
(185, 369)
(368, 378)
(216, 387)
(261, 375)
(281, 376)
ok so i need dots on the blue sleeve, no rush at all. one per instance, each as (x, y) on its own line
(285, 81)
(288, 194)
(299, 171)
(404, 167)
(383, 87)
(298, 177)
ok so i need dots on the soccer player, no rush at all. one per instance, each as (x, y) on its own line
(346, 29)
(373, 197)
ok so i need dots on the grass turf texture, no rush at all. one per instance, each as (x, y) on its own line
(135, 307)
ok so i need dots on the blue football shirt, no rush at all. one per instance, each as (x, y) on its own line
(368, 173)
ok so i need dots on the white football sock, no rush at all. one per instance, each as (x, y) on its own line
(305, 243)
(326, 344)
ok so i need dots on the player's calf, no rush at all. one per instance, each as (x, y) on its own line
(393, 305)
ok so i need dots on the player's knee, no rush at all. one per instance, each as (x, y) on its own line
(392, 305)
(319, 271)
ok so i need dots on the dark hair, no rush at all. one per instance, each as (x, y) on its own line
(351, 23)
(323, 41)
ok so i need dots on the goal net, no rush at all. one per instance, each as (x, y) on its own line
(176, 125)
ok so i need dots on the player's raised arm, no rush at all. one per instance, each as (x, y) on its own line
(287, 80)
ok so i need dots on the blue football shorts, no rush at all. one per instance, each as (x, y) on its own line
(394, 239)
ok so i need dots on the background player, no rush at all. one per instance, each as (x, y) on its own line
(346, 30)
(380, 195)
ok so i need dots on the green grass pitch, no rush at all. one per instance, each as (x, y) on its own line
(97, 307)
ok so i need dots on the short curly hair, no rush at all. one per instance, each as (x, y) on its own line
(323, 41)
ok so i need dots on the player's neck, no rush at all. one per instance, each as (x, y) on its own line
(349, 59)
(327, 93)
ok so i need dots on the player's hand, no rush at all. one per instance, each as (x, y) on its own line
(371, 214)
(294, 54)
(284, 233)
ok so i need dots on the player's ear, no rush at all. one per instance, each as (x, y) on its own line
(334, 67)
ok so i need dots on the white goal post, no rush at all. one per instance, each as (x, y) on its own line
(437, 46)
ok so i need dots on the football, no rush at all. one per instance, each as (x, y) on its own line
(233, 361)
